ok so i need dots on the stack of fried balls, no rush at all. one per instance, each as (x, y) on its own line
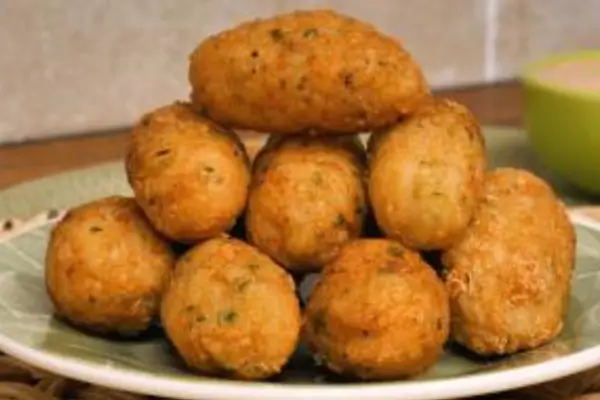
(382, 307)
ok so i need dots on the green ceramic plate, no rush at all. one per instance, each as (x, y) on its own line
(29, 331)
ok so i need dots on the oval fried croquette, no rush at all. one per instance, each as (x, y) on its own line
(426, 174)
(307, 199)
(232, 311)
(509, 276)
(190, 176)
(315, 71)
(378, 312)
(106, 269)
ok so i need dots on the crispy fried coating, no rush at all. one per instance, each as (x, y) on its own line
(231, 311)
(378, 312)
(307, 199)
(106, 269)
(190, 176)
(509, 277)
(426, 174)
(315, 71)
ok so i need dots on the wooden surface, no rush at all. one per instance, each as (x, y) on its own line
(496, 105)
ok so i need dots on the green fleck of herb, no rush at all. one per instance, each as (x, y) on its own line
(277, 35)
(95, 229)
(317, 178)
(348, 80)
(395, 250)
(200, 319)
(427, 163)
(302, 83)
(228, 316)
(254, 54)
(253, 267)
(340, 220)
(312, 32)
(162, 152)
(208, 168)
(319, 322)
(241, 284)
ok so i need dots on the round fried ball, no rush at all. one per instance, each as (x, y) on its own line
(307, 199)
(509, 277)
(378, 312)
(106, 269)
(189, 176)
(232, 311)
(426, 174)
(315, 71)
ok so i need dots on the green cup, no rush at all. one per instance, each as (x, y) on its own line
(563, 123)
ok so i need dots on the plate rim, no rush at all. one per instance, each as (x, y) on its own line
(445, 388)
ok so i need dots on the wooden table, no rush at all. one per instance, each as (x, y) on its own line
(499, 104)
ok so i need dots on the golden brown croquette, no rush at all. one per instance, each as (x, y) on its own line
(106, 268)
(231, 310)
(316, 71)
(189, 175)
(509, 276)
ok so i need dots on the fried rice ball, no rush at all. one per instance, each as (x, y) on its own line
(190, 176)
(106, 269)
(231, 311)
(509, 276)
(307, 199)
(426, 174)
(378, 312)
(315, 71)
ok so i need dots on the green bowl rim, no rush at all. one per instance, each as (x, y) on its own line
(529, 78)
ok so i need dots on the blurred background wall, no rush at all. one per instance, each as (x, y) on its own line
(70, 67)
